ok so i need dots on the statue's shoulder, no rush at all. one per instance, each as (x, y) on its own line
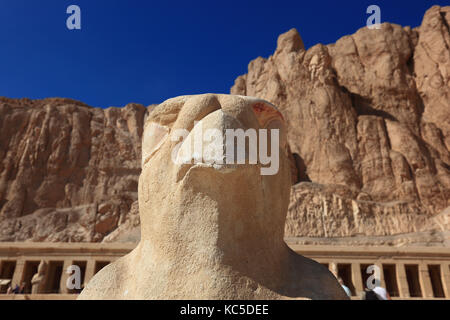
(108, 283)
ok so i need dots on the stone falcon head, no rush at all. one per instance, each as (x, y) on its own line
(192, 160)
(212, 220)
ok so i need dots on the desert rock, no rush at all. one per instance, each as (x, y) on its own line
(368, 115)
(68, 172)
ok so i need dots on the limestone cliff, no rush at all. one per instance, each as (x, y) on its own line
(68, 172)
(369, 116)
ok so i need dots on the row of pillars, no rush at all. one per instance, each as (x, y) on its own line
(18, 276)
(424, 278)
(356, 276)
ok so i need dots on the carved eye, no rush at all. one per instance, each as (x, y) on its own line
(265, 113)
(153, 138)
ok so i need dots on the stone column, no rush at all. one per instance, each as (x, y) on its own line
(90, 270)
(425, 281)
(445, 276)
(382, 281)
(18, 273)
(333, 268)
(402, 281)
(357, 278)
(64, 276)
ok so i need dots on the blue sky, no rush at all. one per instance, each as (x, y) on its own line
(148, 51)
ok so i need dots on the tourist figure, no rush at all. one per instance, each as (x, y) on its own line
(16, 289)
(22, 288)
(9, 290)
(381, 293)
(377, 293)
(346, 289)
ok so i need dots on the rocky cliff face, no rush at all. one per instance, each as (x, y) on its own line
(369, 118)
(369, 128)
(68, 172)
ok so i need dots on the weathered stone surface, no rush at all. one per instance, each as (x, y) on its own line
(68, 172)
(212, 230)
(368, 115)
(320, 211)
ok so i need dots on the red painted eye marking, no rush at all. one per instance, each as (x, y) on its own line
(260, 108)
